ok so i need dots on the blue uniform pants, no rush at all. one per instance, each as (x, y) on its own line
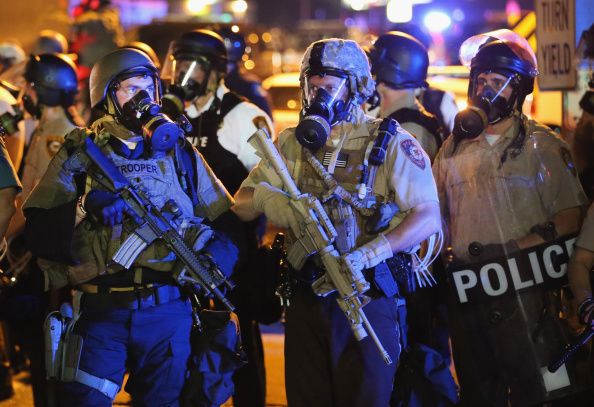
(152, 343)
(326, 366)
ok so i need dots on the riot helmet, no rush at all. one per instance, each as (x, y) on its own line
(399, 60)
(53, 77)
(191, 60)
(508, 55)
(10, 55)
(147, 49)
(110, 71)
(115, 67)
(323, 106)
(50, 41)
(139, 110)
(415, 31)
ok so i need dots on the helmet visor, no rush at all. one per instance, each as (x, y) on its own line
(182, 69)
(515, 42)
(328, 89)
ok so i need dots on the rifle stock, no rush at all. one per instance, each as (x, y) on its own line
(316, 234)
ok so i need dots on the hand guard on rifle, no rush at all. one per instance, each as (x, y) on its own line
(108, 207)
(370, 254)
(275, 204)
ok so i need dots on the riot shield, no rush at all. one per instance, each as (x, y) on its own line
(508, 308)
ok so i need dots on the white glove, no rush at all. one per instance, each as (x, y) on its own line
(275, 204)
(370, 254)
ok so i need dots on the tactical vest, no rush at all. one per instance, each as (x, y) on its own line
(157, 178)
(349, 224)
(224, 164)
(431, 100)
(422, 118)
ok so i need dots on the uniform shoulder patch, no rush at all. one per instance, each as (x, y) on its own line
(413, 152)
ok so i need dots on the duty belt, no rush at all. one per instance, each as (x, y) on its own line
(96, 297)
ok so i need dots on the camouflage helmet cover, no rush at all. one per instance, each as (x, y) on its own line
(336, 55)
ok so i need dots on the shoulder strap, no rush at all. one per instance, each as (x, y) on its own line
(422, 118)
(230, 100)
(432, 99)
(186, 170)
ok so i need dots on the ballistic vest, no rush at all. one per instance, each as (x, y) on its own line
(349, 223)
(224, 164)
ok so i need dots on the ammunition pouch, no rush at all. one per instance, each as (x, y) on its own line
(400, 266)
(382, 280)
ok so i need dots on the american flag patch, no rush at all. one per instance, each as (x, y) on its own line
(341, 161)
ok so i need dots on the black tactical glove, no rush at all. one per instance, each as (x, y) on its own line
(108, 207)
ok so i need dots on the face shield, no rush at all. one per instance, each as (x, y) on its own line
(325, 105)
(186, 75)
(503, 66)
(518, 44)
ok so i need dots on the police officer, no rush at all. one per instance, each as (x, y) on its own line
(222, 122)
(49, 97)
(399, 64)
(133, 319)
(505, 183)
(325, 365)
(10, 186)
(580, 264)
(249, 88)
(439, 103)
(583, 141)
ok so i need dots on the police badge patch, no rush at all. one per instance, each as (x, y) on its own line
(413, 152)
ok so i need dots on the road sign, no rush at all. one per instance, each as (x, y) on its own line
(555, 32)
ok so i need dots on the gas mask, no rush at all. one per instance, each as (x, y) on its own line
(323, 110)
(487, 107)
(143, 116)
(31, 107)
(182, 72)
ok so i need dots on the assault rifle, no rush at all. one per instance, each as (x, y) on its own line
(316, 234)
(197, 269)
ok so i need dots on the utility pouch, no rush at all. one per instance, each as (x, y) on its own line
(383, 280)
(345, 222)
(400, 266)
(71, 356)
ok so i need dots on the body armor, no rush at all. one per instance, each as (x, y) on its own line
(224, 164)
